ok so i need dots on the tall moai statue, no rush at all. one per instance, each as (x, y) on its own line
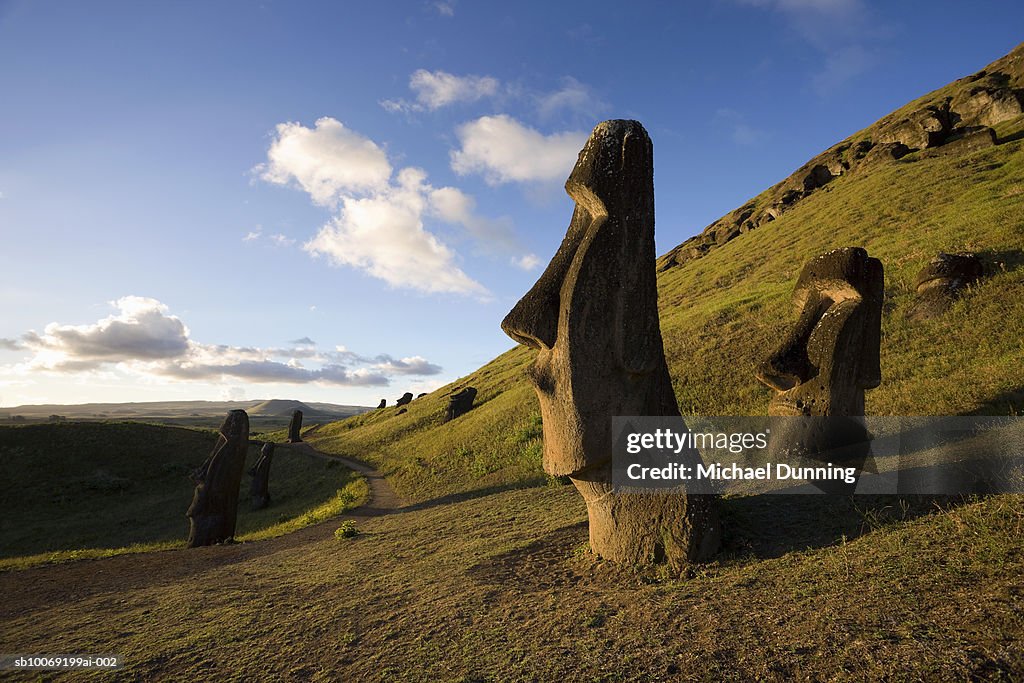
(593, 319)
(828, 358)
(214, 505)
(295, 427)
(259, 491)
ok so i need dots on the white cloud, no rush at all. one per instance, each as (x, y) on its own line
(572, 96)
(446, 8)
(327, 161)
(143, 339)
(436, 89)
(282, 240)
(384, 235)
(528, 262)
(252, 235)
(504, 150)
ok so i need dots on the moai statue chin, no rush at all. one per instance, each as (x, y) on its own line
(593, 319)
(214, 506)
(829, 358)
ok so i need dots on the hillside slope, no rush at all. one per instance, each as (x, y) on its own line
(721, 313)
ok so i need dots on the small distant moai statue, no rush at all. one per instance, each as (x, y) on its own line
(421, 395)
(593, 319)
(460, 403)
(260, 472)
(295, 427)
(214, 507)
(405, 400)
(941, 282)
(828, 359)
(383, 403)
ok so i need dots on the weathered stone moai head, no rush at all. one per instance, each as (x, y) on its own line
(259, 489)
(405, 400)
(214, 506)
(383, 403)
(831, 355)
(941, 282)
(593, 319)
(295, 427)
(460, 403)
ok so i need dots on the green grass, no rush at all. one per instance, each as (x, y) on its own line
(721, 314)
(94, 489)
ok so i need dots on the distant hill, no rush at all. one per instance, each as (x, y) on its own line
(179, 410)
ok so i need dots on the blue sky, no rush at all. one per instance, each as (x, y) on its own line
(340, 201)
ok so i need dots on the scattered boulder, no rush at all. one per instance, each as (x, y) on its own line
(593, 315)
(460, 403)
(258, 490)
(295, 427)
(941, 282)
(214, 507)
(383, 403)
(405, 400)
(421, 395)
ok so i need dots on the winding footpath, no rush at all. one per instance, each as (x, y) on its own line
(29, 589)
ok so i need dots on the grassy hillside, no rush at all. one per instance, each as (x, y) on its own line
(77, 489)
(721, 314)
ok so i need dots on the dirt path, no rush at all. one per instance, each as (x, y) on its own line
(28, 589)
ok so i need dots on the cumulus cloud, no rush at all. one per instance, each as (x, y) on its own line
(142, 338)
(9, 345)
(572, 96)
(327, 161)
(504, 150)
(437, 89)
(446, 8)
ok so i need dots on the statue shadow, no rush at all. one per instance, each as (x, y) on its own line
(770, 526)
(1001, 260)
(1010, 402)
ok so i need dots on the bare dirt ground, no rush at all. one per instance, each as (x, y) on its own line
(497, 585)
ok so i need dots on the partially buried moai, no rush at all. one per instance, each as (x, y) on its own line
(829, 357)
(259, 490)
(593, 319)
(295, 427)
(460, 403)
(215, 500)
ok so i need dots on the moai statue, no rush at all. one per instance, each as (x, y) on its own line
(941, 282)
(460, 403)
(421, 395)
(593, 319)
(383, 403)
(828, 359)
(215, 501)
(295, 427)
(260, 472)
(405, 400)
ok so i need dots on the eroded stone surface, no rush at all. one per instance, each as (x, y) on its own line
(214, 507)
(295, 427)
(259, 491)
(460, 403)
(593, 319)
(941, 282)
(405, 400)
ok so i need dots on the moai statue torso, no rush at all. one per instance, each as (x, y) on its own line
(214, 506)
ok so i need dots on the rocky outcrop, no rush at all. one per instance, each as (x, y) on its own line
(956, 119)
(592, 317)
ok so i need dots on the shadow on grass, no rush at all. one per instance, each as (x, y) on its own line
(769, 526)
(470, 495)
